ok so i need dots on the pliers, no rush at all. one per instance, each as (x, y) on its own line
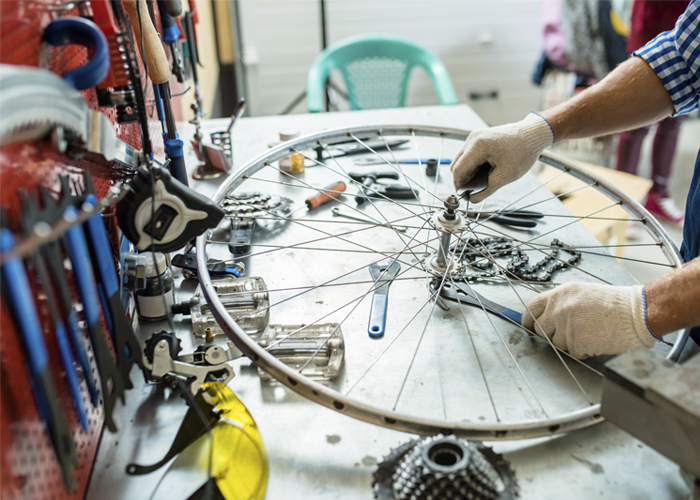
(513, 218)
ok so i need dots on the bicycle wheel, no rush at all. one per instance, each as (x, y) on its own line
(461, 370)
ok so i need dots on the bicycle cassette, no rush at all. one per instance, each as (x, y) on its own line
(439, 467)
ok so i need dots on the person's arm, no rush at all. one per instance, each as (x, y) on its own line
(631, 96)
(673, 301)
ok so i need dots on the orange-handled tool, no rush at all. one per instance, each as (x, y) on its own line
(158, 69)
(330, 192)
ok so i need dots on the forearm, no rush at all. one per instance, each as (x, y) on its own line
(673, 301)
(630, 97)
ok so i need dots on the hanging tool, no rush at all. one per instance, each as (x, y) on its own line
(79, 256)
(383, 276)
(29, 219)
(328, 193)
(17, 292)
(463, 293)
(171, 34)
(363, 162)
(478, 183)
(169, 221)
(372, 189)
(513, 218)
(337, 213)
(159, 73)
(79, 31)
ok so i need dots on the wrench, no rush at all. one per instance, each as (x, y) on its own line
(337, 213)
(382, 276)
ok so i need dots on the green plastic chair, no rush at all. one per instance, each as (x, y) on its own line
(376, 69)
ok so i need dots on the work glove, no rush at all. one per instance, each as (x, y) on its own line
(511, 149)
(588, 319)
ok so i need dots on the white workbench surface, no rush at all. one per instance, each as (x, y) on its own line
(315, 453)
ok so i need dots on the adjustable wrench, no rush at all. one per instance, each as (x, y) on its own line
(382, 276)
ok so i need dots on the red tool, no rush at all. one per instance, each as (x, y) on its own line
(328, 193)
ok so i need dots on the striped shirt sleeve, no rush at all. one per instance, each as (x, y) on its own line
(675, 57)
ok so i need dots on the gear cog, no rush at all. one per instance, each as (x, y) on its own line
(149, 346)
(444, 467)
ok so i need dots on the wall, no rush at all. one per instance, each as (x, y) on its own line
(486, 45)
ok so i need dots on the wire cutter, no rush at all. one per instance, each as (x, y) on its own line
(513, 218)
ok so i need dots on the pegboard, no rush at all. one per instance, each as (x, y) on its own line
(28, 468)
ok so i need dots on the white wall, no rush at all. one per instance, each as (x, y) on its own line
(485, 44)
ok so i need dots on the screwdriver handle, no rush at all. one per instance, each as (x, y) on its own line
(330, 192)
(157, 62)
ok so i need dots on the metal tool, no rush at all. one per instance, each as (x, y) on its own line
(337, 213)
(36, 102)
(29, 219)
(365, 162)
(478, 183)
(383, 276)
(217, 268)
(328, 193)
(16, 289)
(170, 34)
(168, 221)
(109, 374)
(513, 218)
(162, 361)
(80, 31)
(463, 293)
(297, 345)
(353, 147)
(371, 188)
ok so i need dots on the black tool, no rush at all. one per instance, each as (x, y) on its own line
(478, 183)
(170, 34)
(383, 277)
(168, 221)
(217, 268)
(352, 147)
(372, 189)
(17, 292)
(463, 293)
(29, 218)
(514, 218)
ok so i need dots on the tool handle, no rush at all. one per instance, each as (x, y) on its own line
(191, 45)
(174, 149)
(330, 192)
(173, 7)
(514, 221)
(71, 375)
(157, 62)
(98, 234)
(528, 214)
(512, 315)
(377, 315)
(170, 31)
(83, 269)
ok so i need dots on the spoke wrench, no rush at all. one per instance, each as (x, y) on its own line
(383, 277)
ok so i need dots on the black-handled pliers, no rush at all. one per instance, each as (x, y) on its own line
(513, 218)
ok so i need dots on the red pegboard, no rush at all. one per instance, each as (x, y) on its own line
(28, 468)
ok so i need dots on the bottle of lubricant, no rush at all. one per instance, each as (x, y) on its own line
(293, 164)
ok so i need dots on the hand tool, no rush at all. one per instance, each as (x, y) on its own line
(173, 7)
(76, 30)
(372, 189)
(337, 213)
(17, 292)
(171, 34)
(383, 276)
(355, 148)
(168, 221)
(35, 102)
(78, 252)
(328, 193)
(463, 293)
(159, 73)
(478, 183)
(217, 268)
(362, 162)
(514, 218)
(29, 219)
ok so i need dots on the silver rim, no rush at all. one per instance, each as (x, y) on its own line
(586, 415)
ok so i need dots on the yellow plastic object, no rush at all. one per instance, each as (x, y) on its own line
(239, 460)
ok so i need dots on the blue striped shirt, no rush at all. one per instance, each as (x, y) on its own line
(675, 57)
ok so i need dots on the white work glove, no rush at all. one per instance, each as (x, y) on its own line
(512, 149)
(588, 319)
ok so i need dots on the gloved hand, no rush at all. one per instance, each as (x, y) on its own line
(512, 149)
(588, 319)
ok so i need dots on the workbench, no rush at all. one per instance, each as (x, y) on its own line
(316, 453)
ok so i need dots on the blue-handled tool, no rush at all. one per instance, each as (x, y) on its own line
(463, 293)
(363, 162)
(383, 276)
(170, 34)
(17, 292)
(38, 265)
(81, 31)
(78, 251)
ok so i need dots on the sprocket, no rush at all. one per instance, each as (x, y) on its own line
(150, 345)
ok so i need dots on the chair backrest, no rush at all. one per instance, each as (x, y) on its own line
(376, 69)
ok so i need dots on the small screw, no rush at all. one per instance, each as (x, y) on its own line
(209, 334)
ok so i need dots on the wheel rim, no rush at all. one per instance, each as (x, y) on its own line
(585, 415)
